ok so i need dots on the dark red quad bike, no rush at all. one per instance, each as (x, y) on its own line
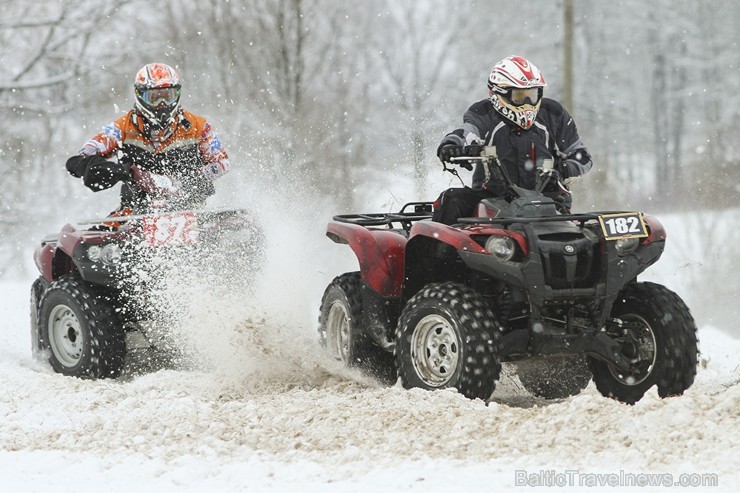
(524, 282)
(94, 300)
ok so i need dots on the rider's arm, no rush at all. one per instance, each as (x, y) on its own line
(474, 121)
(213, 155)
(575, 158)
(91, 164)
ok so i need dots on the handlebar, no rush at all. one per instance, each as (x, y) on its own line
(487, 155)
(476, 153)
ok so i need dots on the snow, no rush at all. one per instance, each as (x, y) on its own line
(266, 411)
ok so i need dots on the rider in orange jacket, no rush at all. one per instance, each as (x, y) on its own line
(158, 137)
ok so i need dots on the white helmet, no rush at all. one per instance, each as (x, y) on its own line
(516, 90)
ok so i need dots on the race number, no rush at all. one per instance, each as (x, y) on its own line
(170, 229)
(623, 225)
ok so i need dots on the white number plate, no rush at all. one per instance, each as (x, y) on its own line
(623, 225)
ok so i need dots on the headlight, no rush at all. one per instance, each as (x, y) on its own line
(111, 254)
(94, 252)
(501, 247)
(108, 254)
(625, 246)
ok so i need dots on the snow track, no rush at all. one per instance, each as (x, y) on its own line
(270, 410)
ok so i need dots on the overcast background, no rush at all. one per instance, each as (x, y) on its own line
(342, 104)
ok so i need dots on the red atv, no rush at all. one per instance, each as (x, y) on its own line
(523, 281)
(93, 303)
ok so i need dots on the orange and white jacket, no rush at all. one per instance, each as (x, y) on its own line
(189, 150)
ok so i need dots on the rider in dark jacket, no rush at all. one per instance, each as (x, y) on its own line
(528, 132)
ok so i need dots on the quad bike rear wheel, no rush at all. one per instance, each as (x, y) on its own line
(78, 328)
(447, 336)
(342, 333)
(554, 377)
(658, 333)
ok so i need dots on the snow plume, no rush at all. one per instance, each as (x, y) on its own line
(245, 313)
(277, 344)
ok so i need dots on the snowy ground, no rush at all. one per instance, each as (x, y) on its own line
(267, 412)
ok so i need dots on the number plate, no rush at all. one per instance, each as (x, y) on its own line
(623, 225)
(170, 229)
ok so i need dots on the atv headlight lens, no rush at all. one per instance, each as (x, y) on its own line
(111, 254)
(501, 247)
(94, 252)
(626, 246)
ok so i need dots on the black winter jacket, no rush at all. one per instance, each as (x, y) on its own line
(553, 136)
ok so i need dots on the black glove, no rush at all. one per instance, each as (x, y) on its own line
(568, 170)
(446, 152)
(101, 174)
(473, 150)
(76, 165)
(549, 179)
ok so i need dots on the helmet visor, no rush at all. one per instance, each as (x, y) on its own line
(169, 96)
(530, 95)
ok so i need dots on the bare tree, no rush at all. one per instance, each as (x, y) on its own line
(417, 47)
(47, 51)
(568, 69)
(287, 73)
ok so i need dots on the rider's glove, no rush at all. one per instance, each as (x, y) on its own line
(446, 152)
(569, 172)
(100, 173)
(551, 179)
(473, 150)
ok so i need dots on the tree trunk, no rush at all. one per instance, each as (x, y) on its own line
(568, 70)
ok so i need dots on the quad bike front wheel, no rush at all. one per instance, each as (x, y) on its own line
(658, 334)
(78, 329)
(342, 333)
(554, 377)
(447, 336)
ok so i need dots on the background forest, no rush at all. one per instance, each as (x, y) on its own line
(344, 102)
